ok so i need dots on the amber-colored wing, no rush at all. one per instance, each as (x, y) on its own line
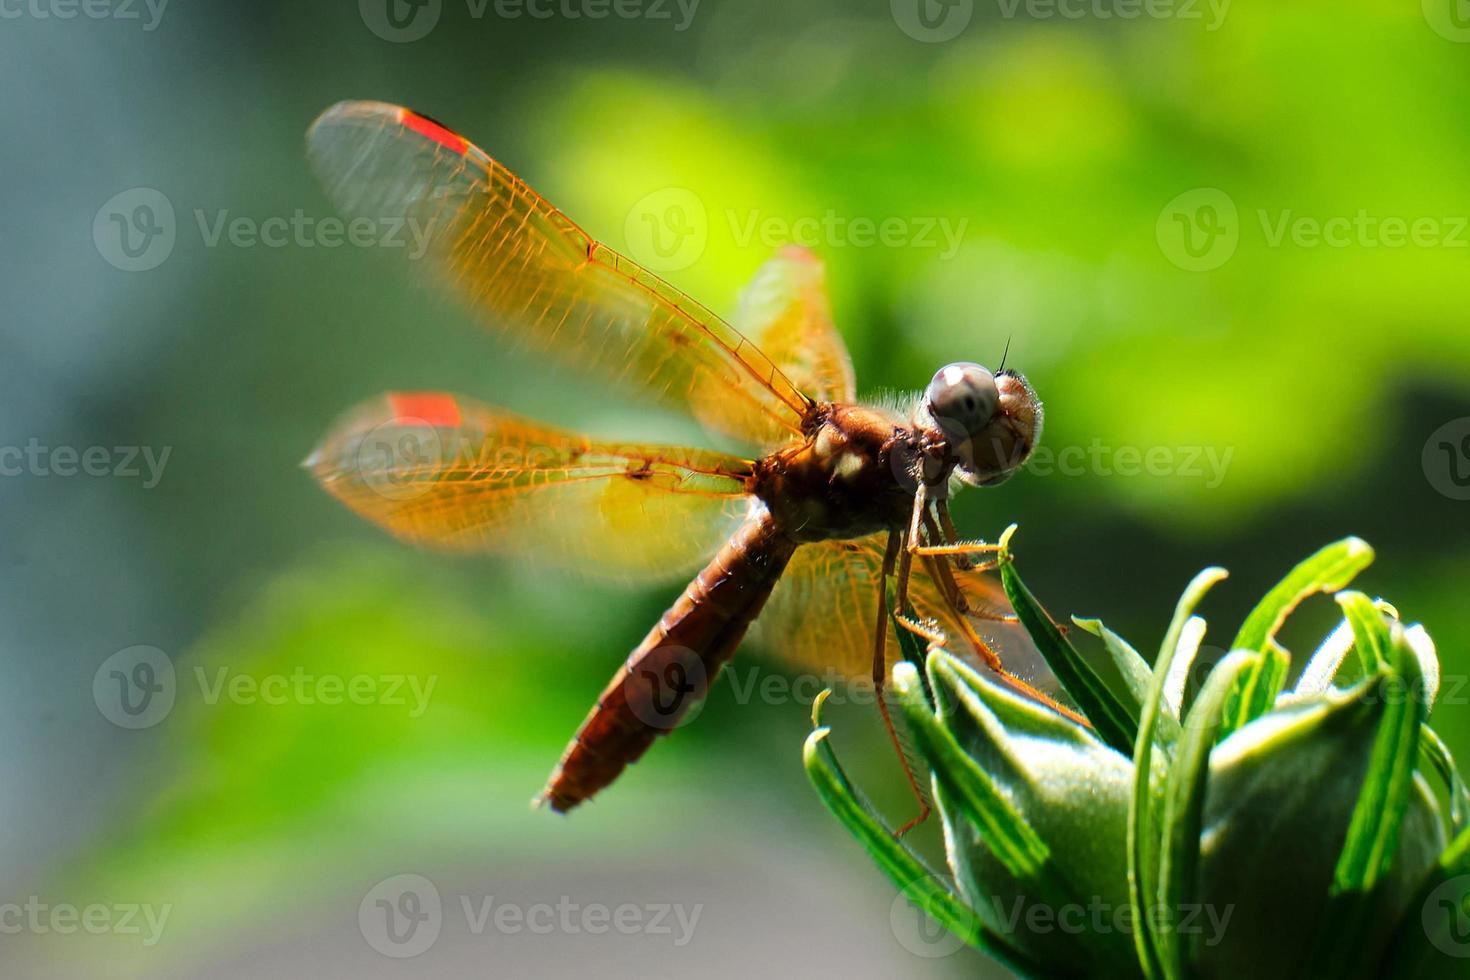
(448, 472)
(529, 271)
(822, 613)
(784, 311)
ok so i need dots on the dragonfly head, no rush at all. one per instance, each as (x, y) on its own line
(986, 423)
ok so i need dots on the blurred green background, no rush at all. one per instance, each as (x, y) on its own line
(1131, 202)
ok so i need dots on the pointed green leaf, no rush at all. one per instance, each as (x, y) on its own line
(1184, 802)
(1373, 833)
(1013, 841)
(1370, 630)
(906, 871)
(1438, 755)
(1328, 570)
(1107, 712)
(1143, 837)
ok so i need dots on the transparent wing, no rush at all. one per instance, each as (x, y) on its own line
(784, 311)
(823, 612)
(447, 472)
(529, 271)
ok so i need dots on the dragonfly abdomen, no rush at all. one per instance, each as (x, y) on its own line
(667, 676)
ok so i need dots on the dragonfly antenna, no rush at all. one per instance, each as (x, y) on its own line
(1005, 355)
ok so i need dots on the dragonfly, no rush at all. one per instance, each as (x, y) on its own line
(834, 529)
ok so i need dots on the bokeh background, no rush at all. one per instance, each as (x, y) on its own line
(1179, 220)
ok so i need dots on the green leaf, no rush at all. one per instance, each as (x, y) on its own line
(1132, 668)
(1143, 839)
(1328, 570)
(1374, 830)
(1443, 762)
(1430, 942)
(951, 678)
(905, 870)
(1005, 830)
(1371, 636)
(1184, 801)
(1108, 714)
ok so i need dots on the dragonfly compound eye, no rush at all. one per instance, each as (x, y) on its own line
(963, 395)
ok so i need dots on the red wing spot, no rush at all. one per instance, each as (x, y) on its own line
(435, 409)
(425, 126)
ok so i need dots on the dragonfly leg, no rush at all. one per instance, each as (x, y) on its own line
(880, 667)
(950, 532)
